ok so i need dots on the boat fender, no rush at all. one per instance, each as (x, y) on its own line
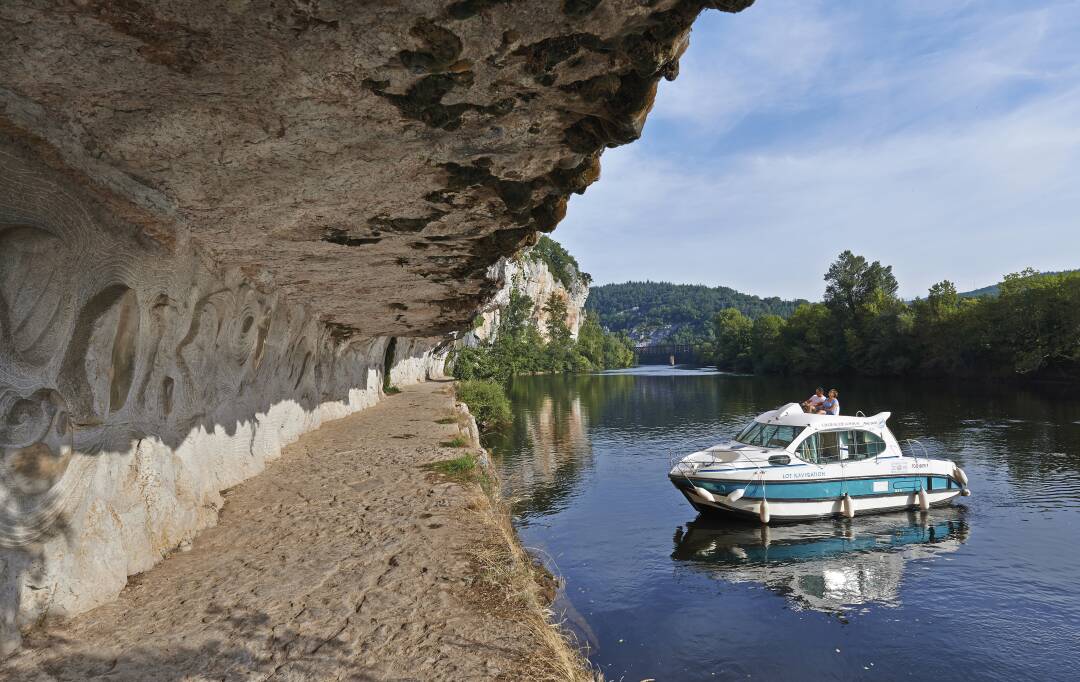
(965, 493)
(924, 501)
(960, 476)
(704, 494)
(735, 495)
(763, 511)
(849, 506)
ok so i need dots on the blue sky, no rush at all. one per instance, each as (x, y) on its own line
(940, 137)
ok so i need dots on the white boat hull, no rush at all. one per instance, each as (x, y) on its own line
(780, 510)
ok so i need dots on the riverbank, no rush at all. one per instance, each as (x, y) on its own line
(350, 557)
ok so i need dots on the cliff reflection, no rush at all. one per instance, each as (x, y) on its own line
(543, 456)
(825, 566)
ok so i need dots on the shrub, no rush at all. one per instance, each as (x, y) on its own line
(487, 401)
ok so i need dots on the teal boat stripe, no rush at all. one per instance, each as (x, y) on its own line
(809, 491)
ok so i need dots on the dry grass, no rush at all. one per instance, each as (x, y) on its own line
(509, 583)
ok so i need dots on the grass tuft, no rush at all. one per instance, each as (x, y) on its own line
(459, 466)
(455, 442)
(446, 420)
(391, 390)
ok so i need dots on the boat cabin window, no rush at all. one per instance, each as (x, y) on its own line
(769, 435)
(824, 447)
(865, 444)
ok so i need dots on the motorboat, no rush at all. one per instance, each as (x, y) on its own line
(788, 465)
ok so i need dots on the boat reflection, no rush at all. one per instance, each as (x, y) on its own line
(825, 566)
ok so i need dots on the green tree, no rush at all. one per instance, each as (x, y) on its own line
(767, 344)
(810, 341)
(559, 353)
(852, 284)
(733, 334)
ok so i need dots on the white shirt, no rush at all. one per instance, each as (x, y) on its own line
(816, 400)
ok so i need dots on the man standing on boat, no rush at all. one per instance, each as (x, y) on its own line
(811, 404)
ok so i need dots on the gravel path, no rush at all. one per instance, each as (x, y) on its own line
(344, 560)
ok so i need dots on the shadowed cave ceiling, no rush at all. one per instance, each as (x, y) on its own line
(370, 159)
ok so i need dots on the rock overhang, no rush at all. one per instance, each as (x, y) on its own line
(370, 160)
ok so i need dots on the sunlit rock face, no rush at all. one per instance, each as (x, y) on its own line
(533, 278)
(213, 216)
(371, 159)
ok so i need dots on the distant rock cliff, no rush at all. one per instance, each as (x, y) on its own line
(531, 275)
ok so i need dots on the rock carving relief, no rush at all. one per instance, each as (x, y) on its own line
(136, 381)
(35, 451)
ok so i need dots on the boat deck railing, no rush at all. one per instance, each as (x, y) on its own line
(911, 444)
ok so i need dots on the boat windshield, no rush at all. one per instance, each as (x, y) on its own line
(769, 435)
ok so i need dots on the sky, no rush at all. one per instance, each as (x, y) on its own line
(940, 137)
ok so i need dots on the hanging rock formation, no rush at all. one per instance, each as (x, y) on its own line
(214, 216)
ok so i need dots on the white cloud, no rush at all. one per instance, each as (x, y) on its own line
(954, 154)
(967, 203)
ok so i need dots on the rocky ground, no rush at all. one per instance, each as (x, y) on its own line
(346, 559)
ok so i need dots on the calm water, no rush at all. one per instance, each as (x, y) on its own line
(986, 589)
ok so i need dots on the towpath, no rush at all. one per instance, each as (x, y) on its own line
(344, 560)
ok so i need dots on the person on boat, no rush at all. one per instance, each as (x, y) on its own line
(830, 405)
(811, 403)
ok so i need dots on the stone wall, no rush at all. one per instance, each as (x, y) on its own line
(138, 381)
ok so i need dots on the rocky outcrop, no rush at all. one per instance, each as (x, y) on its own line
(215, 215)
(532, 277)
(371, 160)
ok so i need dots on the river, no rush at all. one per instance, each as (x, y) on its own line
(987, 589)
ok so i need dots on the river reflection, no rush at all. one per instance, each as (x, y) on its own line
(991, 581)
(826, 566)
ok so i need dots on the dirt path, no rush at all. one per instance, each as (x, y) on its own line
(343, 560)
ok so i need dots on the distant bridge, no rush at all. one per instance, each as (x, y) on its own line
(665, 354)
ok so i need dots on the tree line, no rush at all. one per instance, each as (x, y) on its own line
(684, 311)
(519, 348)
(1030, 328)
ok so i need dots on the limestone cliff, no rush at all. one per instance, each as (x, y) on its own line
(531, 276)
(215, 215)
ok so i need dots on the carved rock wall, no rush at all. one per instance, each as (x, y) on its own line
(213, 214)
(137, 381)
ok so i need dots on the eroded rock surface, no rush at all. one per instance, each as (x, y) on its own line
(371, 159)
(223, 223)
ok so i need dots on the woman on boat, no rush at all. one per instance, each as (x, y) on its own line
(831, 405)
